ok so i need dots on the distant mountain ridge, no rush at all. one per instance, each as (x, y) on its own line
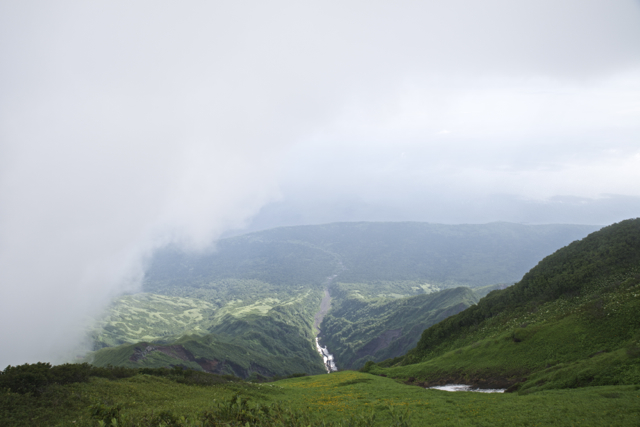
(452, 255)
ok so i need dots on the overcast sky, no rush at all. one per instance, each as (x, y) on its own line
(126, 125)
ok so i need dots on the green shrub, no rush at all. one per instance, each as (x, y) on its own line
(399, 418)
(367, 366)
(35, 378)
(633, 350)
(106, 413)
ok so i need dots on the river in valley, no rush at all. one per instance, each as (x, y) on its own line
(329, 362)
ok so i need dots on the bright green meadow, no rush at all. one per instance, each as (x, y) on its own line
(343, 398)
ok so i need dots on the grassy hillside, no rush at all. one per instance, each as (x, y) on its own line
(245, 338)
(182, 398)
(571, 321)
(152, 317)
(258, 356)
(162, 317)
(359, 329)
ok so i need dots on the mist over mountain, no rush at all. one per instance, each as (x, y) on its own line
(199, 198)
(126, 127)
(365, 252)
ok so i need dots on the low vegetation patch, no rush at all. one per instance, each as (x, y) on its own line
(121, 397)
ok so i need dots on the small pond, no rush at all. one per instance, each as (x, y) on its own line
(464, 387)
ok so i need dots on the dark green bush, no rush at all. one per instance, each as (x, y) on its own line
(297, 375)
(113, 372)
(35, 378)
(633, 351)
(367, 366)
(106, 413)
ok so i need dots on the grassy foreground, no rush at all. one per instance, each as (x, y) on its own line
(350, 392)
(343, 398)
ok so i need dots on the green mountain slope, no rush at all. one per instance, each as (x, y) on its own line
(571, 321)
(151, 317)
(155, 317)
(256, 336)
(218, 354)
(260, 292)
(278, 341)
(358, 329)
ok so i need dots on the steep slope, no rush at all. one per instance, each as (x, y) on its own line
(276, 342)
(259, 335)
(212, 353)
(151, 317)
(571, 321)
(359, 329)
(155, 317)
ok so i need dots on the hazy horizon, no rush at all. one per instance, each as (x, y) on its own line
(127, 126)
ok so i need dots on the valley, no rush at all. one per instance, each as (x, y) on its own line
(327, 358)
(319, 213)
(253, 305)
(564, 340)
(325, 304)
